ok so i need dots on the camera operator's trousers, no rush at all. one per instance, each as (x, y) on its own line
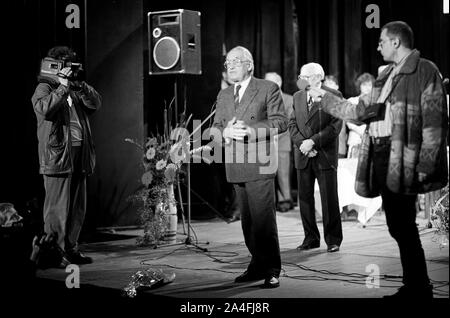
(65, 204)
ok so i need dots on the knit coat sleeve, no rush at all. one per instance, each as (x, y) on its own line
(433, 110)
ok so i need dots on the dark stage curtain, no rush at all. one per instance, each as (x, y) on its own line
(266, 28)
(334, 34)
(115, 48)
(281, 34)
(29, 29)
(329, 34)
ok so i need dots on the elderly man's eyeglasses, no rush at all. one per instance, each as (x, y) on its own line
(304, 77)
(235, 62)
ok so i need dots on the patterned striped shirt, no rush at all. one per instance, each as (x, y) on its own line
(383, 128)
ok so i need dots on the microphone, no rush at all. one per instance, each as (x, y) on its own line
(445, 81)
(303, 84)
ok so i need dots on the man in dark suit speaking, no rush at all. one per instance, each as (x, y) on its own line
(249, 115)
(315, 136)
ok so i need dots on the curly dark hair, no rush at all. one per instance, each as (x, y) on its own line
(62, 52)
(364, 77)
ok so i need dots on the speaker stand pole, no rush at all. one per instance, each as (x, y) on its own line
(188, 240)
(188, 168)
(175, 93)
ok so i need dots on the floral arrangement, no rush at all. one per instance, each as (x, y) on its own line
(161, 166)
(162, 159)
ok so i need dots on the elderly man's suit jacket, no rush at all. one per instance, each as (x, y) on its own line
(318, 126)
(261, 107)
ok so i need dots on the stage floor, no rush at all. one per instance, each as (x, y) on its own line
(310, 274)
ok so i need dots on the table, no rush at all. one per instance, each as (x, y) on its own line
(366, 207)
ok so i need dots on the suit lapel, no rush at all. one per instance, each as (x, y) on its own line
(301, 114)
(302, 111)
(229, 101)
(313, 111)
(247, 98)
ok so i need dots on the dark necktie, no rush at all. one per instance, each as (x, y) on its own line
(310, 103)
(236, 97)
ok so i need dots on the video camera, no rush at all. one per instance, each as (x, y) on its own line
(52, 68)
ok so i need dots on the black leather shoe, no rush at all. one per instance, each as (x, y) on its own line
(333, 248)
(79, 258)
(234, 218)
(308, 246)
(283, 207)
(64, 263)
(271, 282)
(248, 277)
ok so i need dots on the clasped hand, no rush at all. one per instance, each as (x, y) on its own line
(312, 153)
(306, 146)
(237, 130)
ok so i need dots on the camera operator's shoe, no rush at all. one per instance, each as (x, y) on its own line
(64, 263)
(78, 258)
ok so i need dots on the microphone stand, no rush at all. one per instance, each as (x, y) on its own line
(188, 240)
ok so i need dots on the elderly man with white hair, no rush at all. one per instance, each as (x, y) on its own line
(248, 113)
(315, 136)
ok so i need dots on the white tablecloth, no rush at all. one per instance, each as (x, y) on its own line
(365, 207)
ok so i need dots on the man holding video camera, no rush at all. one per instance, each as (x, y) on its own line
(62, 102)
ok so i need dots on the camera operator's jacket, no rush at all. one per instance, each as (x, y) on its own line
(419, 131)
(53, 125)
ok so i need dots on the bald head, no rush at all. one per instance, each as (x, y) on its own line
(312, 69)
(313, 73)
(244, 52)
(239, 64)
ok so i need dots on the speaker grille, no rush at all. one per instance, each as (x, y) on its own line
(166, 53)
